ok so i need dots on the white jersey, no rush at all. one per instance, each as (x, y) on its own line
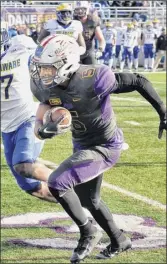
(149, 36)
(72, 30)
(17, 104)
(120, 32)
(129, 38)
(109, 35)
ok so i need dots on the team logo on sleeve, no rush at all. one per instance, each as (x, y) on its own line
(55, 101)
(88, 73)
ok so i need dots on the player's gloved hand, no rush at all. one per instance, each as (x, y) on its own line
(52, 129)
(98, 54)
(162, 125)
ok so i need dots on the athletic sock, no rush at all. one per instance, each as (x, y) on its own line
(87, 229)
(104, 218)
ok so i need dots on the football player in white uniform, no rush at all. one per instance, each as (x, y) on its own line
(129, 39)
(119, 41)
(64, 24)
(21, 148)
(137, 44)
(149, 41)
(110, 35)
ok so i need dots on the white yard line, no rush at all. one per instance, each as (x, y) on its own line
(159, 82)
(135, 195)
(145, 72)
(118, 98)
(134, 123)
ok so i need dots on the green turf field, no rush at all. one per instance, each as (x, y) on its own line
(40, 234)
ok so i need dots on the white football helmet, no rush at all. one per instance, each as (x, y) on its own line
(59, 51)
(81, 8)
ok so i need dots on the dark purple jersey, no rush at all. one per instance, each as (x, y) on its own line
(87, 97)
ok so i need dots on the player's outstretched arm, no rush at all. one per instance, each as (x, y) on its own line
(140, 84)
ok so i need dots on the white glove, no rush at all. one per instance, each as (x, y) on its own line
(98, 54)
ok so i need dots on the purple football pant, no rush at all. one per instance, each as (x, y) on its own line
(83, 166)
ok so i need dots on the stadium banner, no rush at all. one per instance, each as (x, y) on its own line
(26, 17)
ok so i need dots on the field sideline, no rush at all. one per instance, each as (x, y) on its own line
(33, 231)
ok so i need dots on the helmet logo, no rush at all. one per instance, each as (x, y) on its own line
(38, 51)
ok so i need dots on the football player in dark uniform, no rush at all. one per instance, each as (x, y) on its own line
(91, 30)
(59, 80)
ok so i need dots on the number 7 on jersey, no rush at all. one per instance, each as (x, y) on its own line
(7, 80)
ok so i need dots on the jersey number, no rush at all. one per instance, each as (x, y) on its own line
(7, 79)
(78, 126)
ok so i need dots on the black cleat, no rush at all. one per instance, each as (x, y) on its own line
(85, 245)
(110, 251)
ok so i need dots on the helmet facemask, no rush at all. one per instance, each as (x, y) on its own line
(65, 16)
(48, 75)
(149, 27)
(80, 12)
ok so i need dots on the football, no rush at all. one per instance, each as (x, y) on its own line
(54, 113)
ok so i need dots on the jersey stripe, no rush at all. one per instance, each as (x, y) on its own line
(46, 41)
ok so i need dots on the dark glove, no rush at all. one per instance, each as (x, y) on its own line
(52, 129)
(162, 125)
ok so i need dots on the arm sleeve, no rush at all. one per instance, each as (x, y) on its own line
(137, 82)
(105, 82)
